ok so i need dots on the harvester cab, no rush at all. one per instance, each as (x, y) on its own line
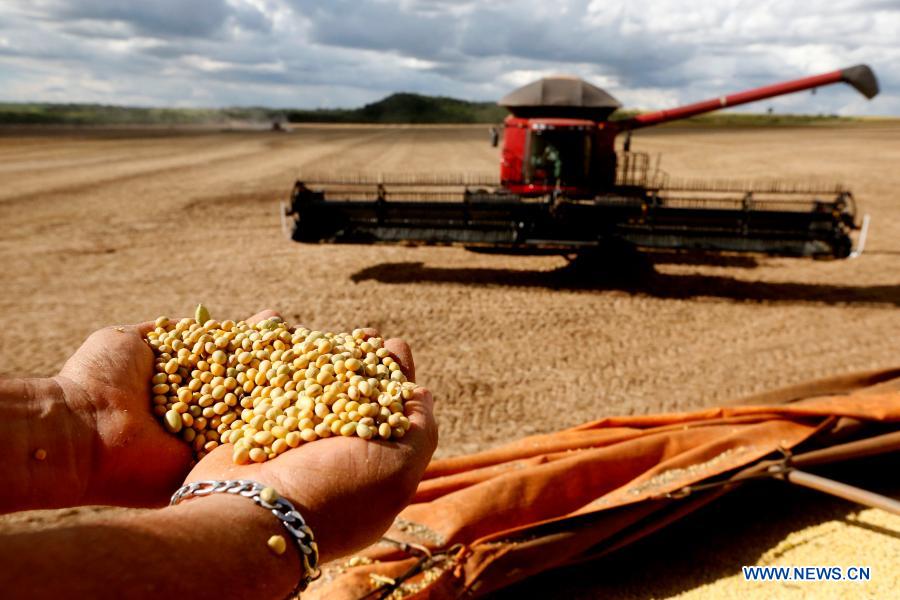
(541, 156)
(564, 189)
(557, 139)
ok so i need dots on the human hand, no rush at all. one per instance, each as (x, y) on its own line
(134, 462)
(348, 489)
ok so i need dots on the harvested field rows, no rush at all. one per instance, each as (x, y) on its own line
(119, 226)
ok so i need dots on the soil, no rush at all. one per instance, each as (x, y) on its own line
(120, 226)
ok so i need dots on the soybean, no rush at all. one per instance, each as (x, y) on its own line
(269, 387)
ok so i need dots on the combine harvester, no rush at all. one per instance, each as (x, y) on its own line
(564, 189)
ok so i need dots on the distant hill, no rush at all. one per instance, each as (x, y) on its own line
(406, 108)
(396, 108)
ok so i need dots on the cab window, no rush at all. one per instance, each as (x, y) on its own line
(558, 156)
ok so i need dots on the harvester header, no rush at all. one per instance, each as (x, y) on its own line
(564, 188)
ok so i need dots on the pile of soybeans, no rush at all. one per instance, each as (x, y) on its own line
(268, 387)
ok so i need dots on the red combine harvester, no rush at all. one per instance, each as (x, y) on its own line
(564, 189)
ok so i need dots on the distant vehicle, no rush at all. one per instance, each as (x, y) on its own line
(280, 123)
(564, 189)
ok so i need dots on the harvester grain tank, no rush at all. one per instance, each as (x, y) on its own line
(565, 189)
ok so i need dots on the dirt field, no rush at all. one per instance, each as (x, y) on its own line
(118, 227)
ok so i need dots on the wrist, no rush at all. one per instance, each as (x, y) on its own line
(50, 443)
(241, 529)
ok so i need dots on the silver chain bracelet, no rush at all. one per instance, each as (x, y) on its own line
(280, 507)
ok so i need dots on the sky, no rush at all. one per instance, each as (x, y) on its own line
(345, 53)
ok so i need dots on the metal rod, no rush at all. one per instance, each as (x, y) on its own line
(842, 490)
(872, 446)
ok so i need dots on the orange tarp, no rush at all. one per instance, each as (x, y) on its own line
(550, 500)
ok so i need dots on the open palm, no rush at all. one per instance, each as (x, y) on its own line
(348, 489)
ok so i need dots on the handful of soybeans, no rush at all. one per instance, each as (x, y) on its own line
(269, 387)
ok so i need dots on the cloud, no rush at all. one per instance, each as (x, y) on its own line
(158, 17)
(380, 26)
(310, 53)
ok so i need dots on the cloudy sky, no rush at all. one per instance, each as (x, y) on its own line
(324, 53)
